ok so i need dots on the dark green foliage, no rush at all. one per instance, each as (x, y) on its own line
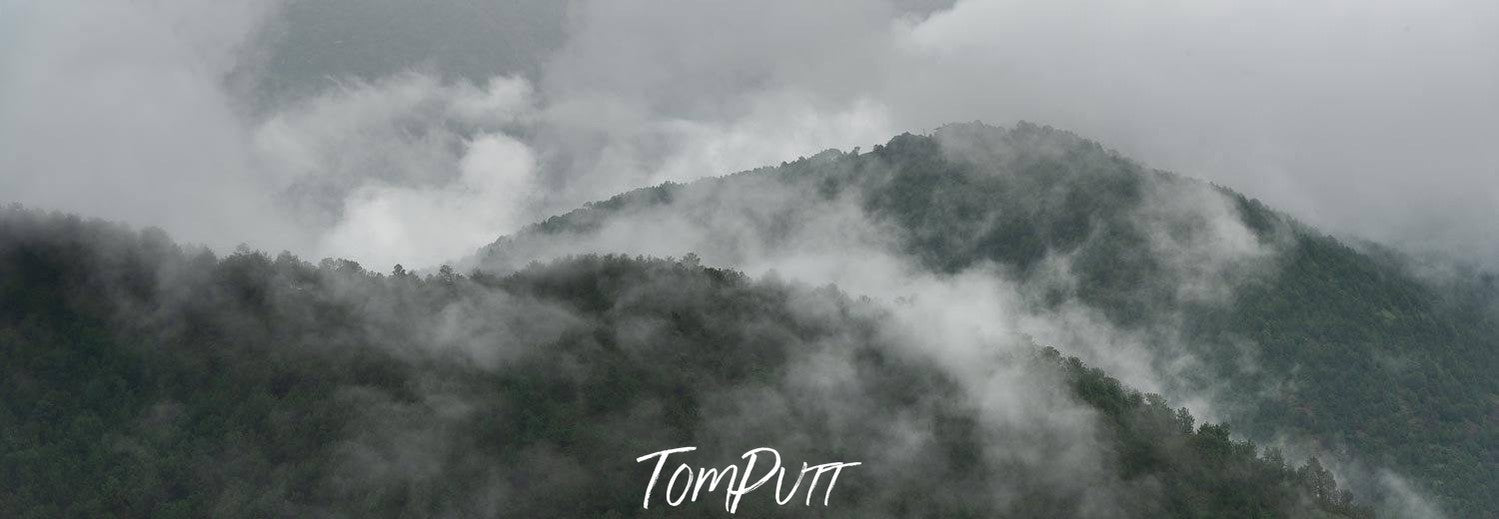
(1382, 363)
(1376, 361)
(142, 380)
(1205, 473)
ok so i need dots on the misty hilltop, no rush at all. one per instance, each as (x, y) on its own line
(1202, 293)
(1009, 322)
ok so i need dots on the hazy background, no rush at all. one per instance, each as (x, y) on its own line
(414, 132)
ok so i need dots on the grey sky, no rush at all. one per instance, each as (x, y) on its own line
(1370, 118)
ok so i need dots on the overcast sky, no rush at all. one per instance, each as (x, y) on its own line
(389, 132)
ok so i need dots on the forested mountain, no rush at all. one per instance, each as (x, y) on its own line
(139, 378)
(1295, 334)
(144, 378)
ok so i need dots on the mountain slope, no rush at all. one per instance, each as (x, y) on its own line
(141, 379)
(1286, 329)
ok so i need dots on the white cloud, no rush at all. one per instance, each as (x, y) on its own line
(427, 225)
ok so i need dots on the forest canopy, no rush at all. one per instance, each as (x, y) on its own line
(142, 378)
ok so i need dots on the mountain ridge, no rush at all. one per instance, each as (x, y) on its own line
(145, 379)
(1174, 268)
(1294, 297)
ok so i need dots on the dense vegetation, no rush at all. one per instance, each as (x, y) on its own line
(1205, 466)
(1317, 340)
(138, 378)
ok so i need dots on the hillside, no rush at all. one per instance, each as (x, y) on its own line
(144, 379)
(1293, 333)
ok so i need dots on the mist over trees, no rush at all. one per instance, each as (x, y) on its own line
(954, 270)
(515, 259)
(1297, 336)
(142, 378)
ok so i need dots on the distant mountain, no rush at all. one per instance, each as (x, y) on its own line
(1291, 333)
(138, 378)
